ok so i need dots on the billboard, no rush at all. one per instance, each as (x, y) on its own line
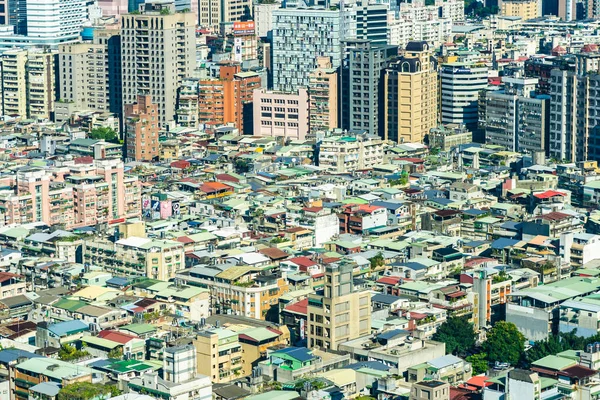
(237, 49)
(243, 28)
(155, 209)
(176, 208)
(165, 209)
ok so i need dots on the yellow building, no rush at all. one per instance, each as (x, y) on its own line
(323, 99)
(526, 9)
(411, 95)
(14, 82)
(339, 313)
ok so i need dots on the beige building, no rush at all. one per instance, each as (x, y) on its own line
(209, 15)
(340, 313)
(344, 152)
(429, 390)
(526, 9)
(28, 83)
(83, 75)
(411, 99)
(281, 114)
(322, 93)
(158, 52)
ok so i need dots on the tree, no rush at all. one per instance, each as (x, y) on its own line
(377, 261)
(504, 343)
(479, 363)
(116, 353)
(103, 133)
(69, 352)
(458, 334)
(87, 391)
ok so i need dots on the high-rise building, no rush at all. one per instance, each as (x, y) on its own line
(263, 18)
(224, 100)
(323, 97)
(114, 7)
(516, 117)
(575, 111)
(526, 9)
(28, 83)
(55, 21)
(4, 14)
(209, 14)
(111, 40)
(371, 22)
(141, 128)
(460, 87)
(362, 90)
(158, 52)
(235, 10)
(299, 37)
(411, 95)
(281, 114)
(339, 312)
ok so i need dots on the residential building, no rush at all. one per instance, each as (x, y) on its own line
(141, 129)
(371, 22)
(577, 249)
(263, 18)
(431, 389)
(209, 15)
(411, 95)
(448, 368)
(219, 354)
(517, 118)
(281, 114)
(525, 9)
(581, 314)
(447, 137)
(11, 285)
(299, 36)
(341, 153)
(338, 313)
(323, 97)
(158, 52)
(14, 82)
(492, 289)
(235, 10)
(362, 90)
(460, 87)
(114, 7)
(110, 38)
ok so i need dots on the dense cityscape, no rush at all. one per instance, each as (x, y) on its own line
(299, 199)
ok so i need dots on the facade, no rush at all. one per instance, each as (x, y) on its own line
(209, 14)
(460, 87)
(525, 9)
(14, 82)
(299, 36)
(280, 114)
(234, 10)
(114, 7)
(263, 18)
(426, 390)
(158, 52)
(363, 93)
(219, 354)
(371, 23)
(346, 153)
(449, 136)
(141, 127)
(517, 118)
(339, 313)
(493, 294)
(411, 95)
(323, 97)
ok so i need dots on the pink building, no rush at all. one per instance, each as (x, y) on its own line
(281, 114)
(113, 7)
(74, 196)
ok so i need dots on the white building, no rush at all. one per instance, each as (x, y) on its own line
(278, 114)
(263, 18)
(579, 248)
(345, 153)
(460, 87)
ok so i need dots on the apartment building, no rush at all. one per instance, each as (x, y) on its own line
(299, 35)
(209, 14)
(525, 9)
(138, 256)
(28, 83)
(80, 195)
(493, 290)
(11, 285)
(577, 249)
(411, 96)
(82, 74)
(430, 389)
(141, 129)
(460, 87)
(158, 52)
(323, 97)
(263, 18)
(281, 114)
(446, 137)
(338, 313)
(346, 153)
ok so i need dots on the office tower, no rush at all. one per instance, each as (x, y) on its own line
(28, 83)
(460, 87)
(114, 7)
(263, 17)
(111, 40)
(299, 37)
(362, 85)
(280, 114)
(141, 127)
(55, 20)
(371, 23)
(323, 97)
(83, 80)
(411, 85)
(157, 52)
(516, 117)
(339, 312)
(227, 99)
(575, 111)
(526, 9)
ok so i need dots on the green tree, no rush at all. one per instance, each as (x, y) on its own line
(117, 353)
(87, 391)
(377, 261)
(504, 343)
(69, 352)
(104, 133)
(458, 334)
(479, 363)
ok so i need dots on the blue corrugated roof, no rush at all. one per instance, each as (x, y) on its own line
(376, 365)
(384, 298)
(503, 242)
(68, 327)
(301, 354)
(392, 334)
(10, 355)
